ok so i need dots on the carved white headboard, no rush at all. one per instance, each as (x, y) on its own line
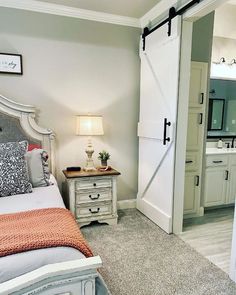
(18, 123)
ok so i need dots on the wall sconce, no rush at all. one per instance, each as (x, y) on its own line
(221, 61)
(223, 69)
(233, 62)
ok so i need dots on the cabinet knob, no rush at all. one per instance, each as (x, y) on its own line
(94, 184)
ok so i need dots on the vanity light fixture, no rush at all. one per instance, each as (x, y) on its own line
(221, 61)
(233, 62)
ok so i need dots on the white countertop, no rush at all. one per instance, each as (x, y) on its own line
(216, 151)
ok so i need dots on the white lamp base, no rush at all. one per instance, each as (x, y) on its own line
(89, 161)
(89, 166)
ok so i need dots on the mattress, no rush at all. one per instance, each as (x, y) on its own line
(12, 266)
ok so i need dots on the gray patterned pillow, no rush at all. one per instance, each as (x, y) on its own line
(13, 169)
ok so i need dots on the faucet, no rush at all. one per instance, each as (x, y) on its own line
(232, 144)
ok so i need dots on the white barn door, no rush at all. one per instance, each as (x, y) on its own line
(157, 120)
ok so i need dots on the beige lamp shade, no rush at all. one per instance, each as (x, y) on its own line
(89, 125)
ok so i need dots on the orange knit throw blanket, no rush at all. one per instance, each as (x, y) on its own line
(43, 228)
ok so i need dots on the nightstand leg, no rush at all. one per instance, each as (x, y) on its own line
(110, 221)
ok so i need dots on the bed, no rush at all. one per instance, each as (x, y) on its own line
(57, 270)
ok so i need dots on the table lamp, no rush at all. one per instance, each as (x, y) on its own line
(89, 126)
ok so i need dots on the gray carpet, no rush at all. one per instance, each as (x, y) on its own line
(140, 259)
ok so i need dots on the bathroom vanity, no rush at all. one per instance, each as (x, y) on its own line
(220, 177)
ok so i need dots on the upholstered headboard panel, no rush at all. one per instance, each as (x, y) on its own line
(11, 130)
(17, 122)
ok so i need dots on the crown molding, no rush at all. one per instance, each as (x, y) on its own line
(62, 10)
(203, 8)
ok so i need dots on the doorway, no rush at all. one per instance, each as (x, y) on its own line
(209, 176)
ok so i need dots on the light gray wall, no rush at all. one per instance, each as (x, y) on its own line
(202, 38)
(74, 67)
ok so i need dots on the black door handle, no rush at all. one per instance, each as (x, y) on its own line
(197, 180)
(200, 118)
(201, 98)
(226, 174)
(188, 161)
(166, 123)
(217, 162)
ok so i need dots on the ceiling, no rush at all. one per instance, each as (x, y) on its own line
(131, 8)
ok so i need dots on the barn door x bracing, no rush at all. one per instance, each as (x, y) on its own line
(157, 121)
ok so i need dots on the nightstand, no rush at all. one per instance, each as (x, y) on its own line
(93, 196)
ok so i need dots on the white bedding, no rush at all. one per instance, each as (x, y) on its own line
(12, 266)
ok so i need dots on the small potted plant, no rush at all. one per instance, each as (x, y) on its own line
(104, 156)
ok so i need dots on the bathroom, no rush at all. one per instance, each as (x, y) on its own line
(210, 179)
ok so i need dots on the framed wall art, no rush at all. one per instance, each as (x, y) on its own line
(11, 63)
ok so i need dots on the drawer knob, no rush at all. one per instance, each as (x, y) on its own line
(217, 161)
(94, 184)
(94, 198)
(94, 211)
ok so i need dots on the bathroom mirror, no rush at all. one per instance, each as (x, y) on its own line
(222, 109)
(216, 114)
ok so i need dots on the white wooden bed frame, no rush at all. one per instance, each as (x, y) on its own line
(75, 277)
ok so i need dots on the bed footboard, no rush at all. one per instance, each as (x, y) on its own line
(75, 277)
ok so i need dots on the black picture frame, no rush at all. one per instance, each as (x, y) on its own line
(11, 63)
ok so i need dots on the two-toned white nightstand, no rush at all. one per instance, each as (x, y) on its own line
(93, 196)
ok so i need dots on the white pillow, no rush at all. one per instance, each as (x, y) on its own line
(38, 167)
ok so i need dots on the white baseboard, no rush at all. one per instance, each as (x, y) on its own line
(155, 214)
(126, 204)
(201, 211)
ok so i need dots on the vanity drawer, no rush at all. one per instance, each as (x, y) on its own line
(93, 183)
(192, 161)
(93, 210)
(216, 160)
(87, 196)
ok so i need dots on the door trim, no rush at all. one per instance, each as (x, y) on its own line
(189, 17)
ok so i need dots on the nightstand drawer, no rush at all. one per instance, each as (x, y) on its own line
(93, 210)
(94, 195)
(93, 183)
